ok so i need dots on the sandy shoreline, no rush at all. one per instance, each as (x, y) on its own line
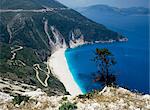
(59, 67)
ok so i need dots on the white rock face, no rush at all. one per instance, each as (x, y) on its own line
(36, 93)
(56, 41)
(76, 43)
(76, 39)
(109, 99)
(5, 98)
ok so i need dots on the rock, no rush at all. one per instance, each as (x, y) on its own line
(5, 98)
(33, 94)
(109, 99)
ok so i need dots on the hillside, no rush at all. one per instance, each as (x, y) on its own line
(109, 98)
(26, 28)
(30, 4)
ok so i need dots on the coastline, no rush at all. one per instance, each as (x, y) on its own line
(59, 67)
(78, 44)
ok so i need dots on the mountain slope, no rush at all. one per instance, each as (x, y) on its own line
(29, 4)
(26, 29)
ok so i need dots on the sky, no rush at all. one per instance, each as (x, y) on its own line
(115, 3)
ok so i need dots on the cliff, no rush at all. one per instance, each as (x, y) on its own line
(109, 98)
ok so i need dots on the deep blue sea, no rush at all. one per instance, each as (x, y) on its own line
(132, 68)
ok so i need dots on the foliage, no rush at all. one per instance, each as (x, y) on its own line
(104, 61)
(4, 51)
(68, 106)
(28, 4)
(64, 98)
(88, 95)
(15, 70)
(18, 99)
(28, 56)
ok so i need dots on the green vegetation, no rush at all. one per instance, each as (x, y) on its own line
(89, 95)
(29, 4)
(68, 106)
(104, 60)
(18, 99)
(29, 56)
(5, 52)
(64, 98)
(15, 70)
(25, 56)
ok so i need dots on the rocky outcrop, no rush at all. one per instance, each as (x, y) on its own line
(57, 40)
(76, 38)
(109, 98)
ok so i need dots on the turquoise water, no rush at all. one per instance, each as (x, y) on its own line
(131, 70)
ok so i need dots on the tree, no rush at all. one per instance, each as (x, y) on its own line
(104, 61)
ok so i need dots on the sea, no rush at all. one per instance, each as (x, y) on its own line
(132, 57)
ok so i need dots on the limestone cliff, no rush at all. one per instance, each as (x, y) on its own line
(108, 99)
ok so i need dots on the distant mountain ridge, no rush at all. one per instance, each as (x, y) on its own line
(123, 11)
(119, 19)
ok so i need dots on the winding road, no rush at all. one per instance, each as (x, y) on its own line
(36, 11)
(37, 68)
(13, 51)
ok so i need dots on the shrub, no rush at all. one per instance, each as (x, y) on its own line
(18, 99)
(64, 98)
(68, 106)
(88, 95)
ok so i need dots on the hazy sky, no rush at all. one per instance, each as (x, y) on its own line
(117, 3)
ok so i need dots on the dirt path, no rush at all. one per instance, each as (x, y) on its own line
(37, 11)
(37, 69)
(13, 51)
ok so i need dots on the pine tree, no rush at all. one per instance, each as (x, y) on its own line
(104, 61)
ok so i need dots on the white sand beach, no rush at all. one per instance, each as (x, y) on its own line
(59, 67)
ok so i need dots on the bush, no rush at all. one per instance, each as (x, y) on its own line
(64, 98)
(88, 95)
(18, 99)
(68, 106)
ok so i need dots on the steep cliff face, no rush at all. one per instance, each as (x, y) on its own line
(55, 41)
(76, 38)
